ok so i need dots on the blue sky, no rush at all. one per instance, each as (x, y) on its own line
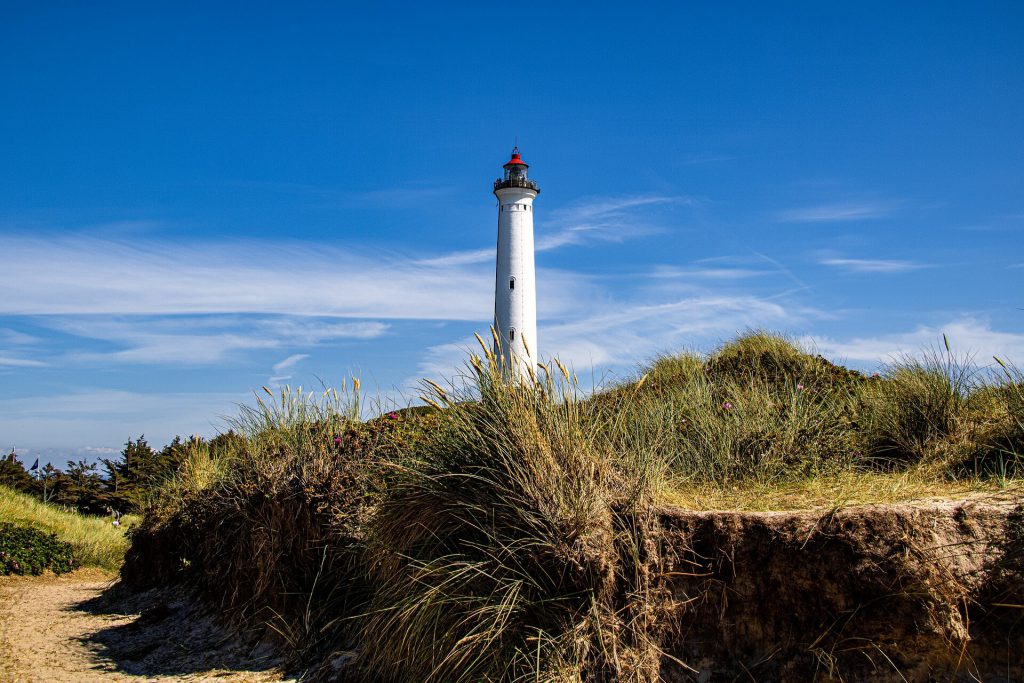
(199, 199)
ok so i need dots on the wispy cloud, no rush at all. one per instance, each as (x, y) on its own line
(838, 212)
(614, 219)
(857, 265)
(15, 338)
(695, 159)
(80, 276)
(607, 220)
(14, 362)
(204, 340)
(289, 362)
(280, 368)
(92, 276)
(968, 334)
(723, 273)
(461, 258)
(398, 195)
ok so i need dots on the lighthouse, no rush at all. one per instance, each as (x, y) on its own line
(515, 286)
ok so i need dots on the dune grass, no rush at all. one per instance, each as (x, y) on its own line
(95, 541)
(509, 531)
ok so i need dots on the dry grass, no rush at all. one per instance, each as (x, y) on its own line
(96, 542)
(506, 549)
(837, 491)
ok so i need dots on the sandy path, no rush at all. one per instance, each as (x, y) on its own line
(77, 628)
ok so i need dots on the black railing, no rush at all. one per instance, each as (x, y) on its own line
(516, 182)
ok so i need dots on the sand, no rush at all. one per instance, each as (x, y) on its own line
(81, 627)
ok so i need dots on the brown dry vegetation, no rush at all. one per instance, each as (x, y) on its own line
(517, 532)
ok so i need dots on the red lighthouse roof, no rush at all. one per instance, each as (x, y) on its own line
(515, 160)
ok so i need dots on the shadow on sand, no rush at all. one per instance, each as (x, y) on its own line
(169, 635)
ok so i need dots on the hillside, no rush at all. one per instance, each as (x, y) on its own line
(531, 531)
(95, 541)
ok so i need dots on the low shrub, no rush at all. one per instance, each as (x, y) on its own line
(26, 550)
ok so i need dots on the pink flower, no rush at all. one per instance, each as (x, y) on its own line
(337, 441)
(392, 416)
(727, 405)
(799, 387)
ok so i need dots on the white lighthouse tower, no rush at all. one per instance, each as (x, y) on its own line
(515, 286)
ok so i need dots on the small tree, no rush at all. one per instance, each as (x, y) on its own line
(13, 474)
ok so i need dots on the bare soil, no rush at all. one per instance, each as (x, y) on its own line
(921, 591)
(82, 627)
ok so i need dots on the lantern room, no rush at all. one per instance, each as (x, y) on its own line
(515, 174)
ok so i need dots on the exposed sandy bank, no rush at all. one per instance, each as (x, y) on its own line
(922, 591)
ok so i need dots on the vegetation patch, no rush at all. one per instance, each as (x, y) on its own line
(96, 542)
(517, 531)
(25, 550)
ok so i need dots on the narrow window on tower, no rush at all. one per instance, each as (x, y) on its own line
(512, 334)
(511, 283)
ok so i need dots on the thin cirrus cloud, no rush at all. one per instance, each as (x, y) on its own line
(611, 220)
(75, 276)
(836, 212)
(190, 340)
(285, 365)
(14, 362)
(155, 302)
(663, 272)
(857, 265)
(290, 362)
(88, 276)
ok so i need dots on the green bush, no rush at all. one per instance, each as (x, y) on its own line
(26, 550)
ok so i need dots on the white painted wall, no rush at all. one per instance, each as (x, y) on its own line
(516, 308)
